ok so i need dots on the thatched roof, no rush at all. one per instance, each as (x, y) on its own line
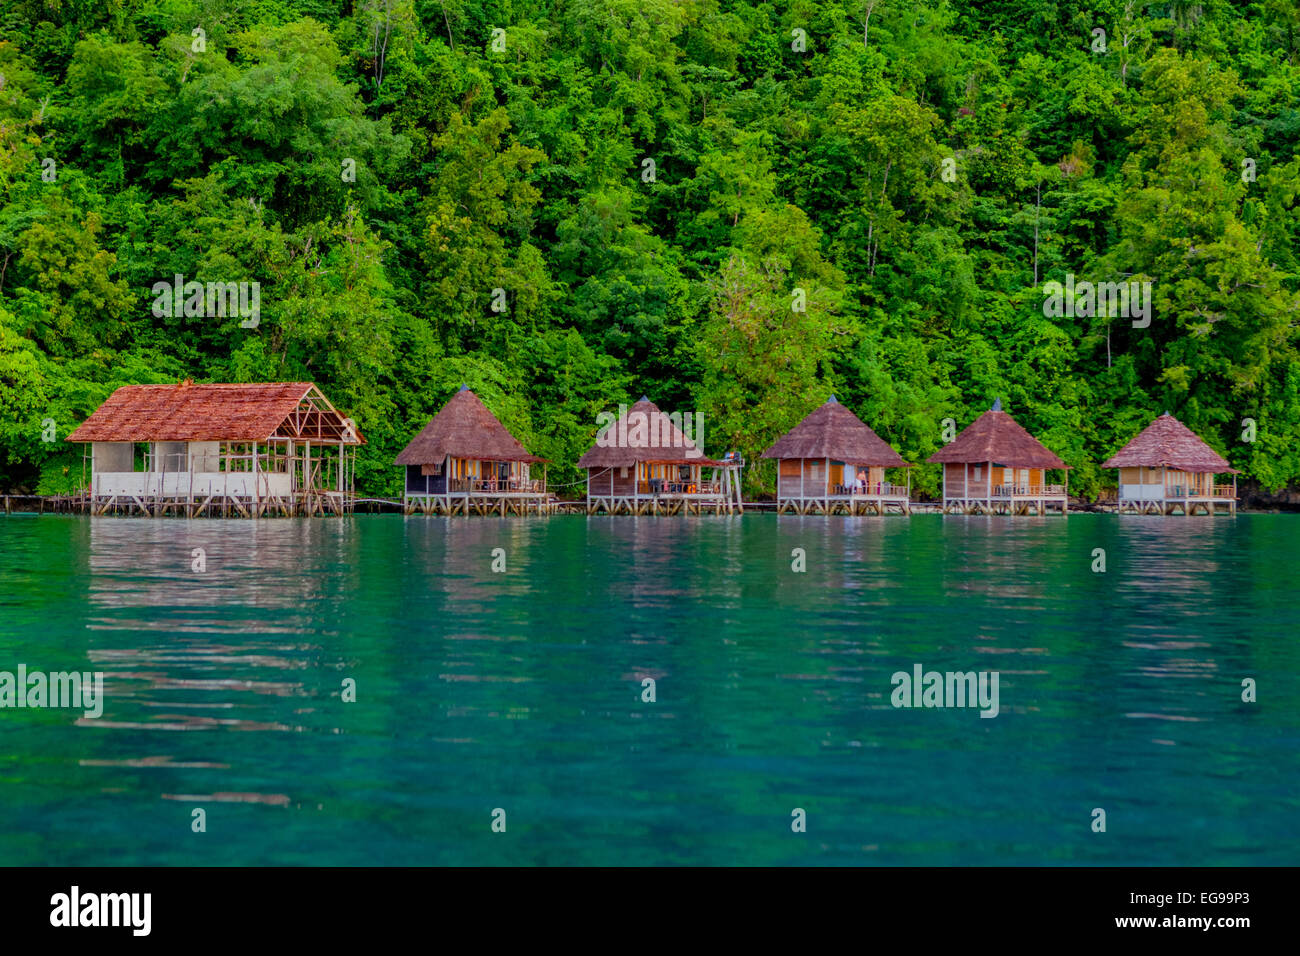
(643, 434)
(832, 431)
(998, 438)
(221, 412)
(1168, 442)
(464, 428)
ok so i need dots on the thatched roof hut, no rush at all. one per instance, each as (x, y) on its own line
(1168, 443)
(641, 434)
(186, 412)
(832, 431)
(996, 437)
(464, 429)
(251, 449)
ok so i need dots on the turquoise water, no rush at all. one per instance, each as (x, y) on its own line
(521, 690)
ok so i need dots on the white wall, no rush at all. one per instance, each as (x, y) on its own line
(1143, 492)
(205, 456)
(112, 456)
(181, 484)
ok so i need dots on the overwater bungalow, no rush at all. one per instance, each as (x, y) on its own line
(247, 450)
(466, 462)
(643, 463)
(996, 467)
(1167, 469)
(833, 463)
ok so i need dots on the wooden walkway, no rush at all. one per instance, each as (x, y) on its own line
(78, 504)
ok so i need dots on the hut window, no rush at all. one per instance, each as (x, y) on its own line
(622, 472)
(978, 469)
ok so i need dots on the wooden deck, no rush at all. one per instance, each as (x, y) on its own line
(480, 503)
(666, 503)
(1186, 505)
(845, 504)
(1037, 503)
(217, 504)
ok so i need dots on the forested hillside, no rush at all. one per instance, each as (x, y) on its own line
(732, 207)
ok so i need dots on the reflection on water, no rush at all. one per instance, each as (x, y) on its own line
(522, 689)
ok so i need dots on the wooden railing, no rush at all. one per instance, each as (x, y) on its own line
(662, 486)
(492, 486)
(868, 488)
(1006, 491)
(1216, 491)
(1156, 492)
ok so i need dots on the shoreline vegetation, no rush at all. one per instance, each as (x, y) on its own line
(1087, 209)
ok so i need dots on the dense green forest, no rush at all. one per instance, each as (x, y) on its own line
(732, 207)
